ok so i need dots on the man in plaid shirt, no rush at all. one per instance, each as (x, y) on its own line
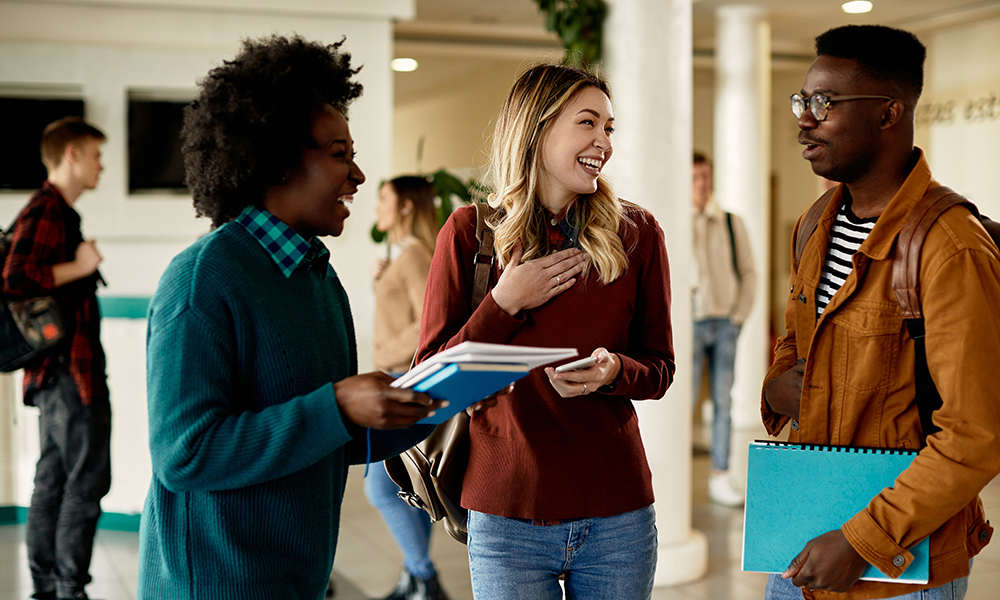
(49, 257)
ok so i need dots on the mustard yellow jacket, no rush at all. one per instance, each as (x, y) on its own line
(858, 387)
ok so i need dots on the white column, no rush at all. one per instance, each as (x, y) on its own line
(8, 461)
(742, 150)
(648, 60)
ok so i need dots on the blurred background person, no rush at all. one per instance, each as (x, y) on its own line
(49, 257)
(406, 212)
(722, 300)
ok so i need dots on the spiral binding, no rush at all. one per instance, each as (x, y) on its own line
(832, 448)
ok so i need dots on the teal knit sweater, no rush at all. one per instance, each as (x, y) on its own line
(249, 449)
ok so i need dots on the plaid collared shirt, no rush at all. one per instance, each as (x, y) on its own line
(562, 233)
(287, 248)
(45, 234)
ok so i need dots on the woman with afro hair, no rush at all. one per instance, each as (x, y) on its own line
(255, 406)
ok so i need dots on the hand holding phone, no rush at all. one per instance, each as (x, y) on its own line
(583, 363)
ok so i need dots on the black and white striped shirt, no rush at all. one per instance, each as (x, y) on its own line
(847, 235)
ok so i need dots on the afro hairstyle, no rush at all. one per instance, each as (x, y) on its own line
(253, 116)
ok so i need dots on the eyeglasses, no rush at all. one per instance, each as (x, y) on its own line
(820, 104)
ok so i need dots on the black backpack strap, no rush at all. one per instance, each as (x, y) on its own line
(992, 227)
(732, 246)
(809, 223)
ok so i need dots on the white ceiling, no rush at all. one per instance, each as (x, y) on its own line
(452, 38)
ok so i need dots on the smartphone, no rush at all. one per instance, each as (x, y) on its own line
(583, 363)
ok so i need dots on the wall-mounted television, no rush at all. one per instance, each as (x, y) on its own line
(155, 163)
(22, 120)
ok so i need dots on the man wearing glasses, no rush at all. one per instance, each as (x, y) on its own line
(844, 373)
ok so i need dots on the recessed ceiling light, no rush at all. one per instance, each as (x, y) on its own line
(856, 7)
(403, 65)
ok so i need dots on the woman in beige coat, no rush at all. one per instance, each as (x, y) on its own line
(406, 212)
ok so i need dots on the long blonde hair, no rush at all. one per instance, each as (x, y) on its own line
(421, 222)
(535, 100)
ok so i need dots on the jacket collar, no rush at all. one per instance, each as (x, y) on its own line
(712, 210)
(882, 238)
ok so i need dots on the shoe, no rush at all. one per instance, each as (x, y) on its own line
(411, 587)
(432, 590)
(331, 589)
(402, 587)
(43, 596)
(722, 491)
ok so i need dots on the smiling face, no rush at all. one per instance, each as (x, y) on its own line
(844, 146)
(575, 148)
(313, 198)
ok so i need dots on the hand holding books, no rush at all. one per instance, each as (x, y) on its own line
(369, 400)
(472, 371)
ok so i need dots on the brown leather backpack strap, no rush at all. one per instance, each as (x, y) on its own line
(906, 265)
(485, 256)
(809, 223)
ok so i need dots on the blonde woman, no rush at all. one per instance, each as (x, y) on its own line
(406, 212)
(558, 481)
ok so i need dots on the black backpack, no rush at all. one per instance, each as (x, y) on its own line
(29, 329)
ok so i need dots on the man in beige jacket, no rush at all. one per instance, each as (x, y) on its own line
(722, 299)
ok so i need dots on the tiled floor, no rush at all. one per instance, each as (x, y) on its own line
(367, 562)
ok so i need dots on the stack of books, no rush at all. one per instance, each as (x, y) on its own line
(471, 371)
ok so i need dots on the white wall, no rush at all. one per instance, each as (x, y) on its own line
(456, 121)
(959, 114)
(106, 49)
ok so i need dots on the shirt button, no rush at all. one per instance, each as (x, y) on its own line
(899, 561)
(802, 299)
(984, 536)
(795, 425)
(554, 222)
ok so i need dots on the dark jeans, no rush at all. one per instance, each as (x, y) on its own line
(72, 475)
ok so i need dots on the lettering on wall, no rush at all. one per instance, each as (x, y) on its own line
(981, 109)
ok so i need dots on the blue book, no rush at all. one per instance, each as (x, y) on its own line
(796, 492)
(463, 384)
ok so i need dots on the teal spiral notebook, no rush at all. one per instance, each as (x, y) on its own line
(796, 492)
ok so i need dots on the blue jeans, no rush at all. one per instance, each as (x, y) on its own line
(409, 526)
(715, 339)
(72, 475)
(603, 558)
(782, 589)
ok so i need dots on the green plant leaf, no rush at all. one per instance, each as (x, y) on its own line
(446, 184)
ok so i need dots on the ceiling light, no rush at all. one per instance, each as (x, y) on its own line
(403, 65)
(856, 7)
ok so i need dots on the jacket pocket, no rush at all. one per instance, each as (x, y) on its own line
(869, 335)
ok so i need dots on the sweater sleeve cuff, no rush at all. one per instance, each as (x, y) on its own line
(875, 546)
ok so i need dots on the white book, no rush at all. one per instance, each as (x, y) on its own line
(480, 352)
